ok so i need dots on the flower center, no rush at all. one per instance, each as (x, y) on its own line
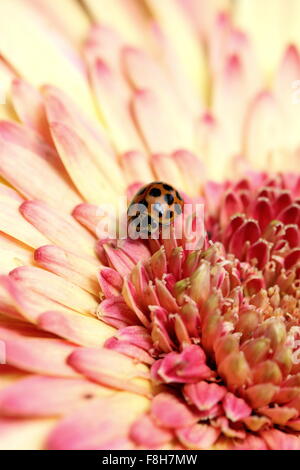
(220, 326)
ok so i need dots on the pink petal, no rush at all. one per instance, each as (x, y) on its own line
(30, 29)
(85, 174)
(154, 123)
(27, 302)
(279, 415)
(166, 169)
(39, 355)
(213, 142)
(159, 264)
(183, 56)
(166, 299)
(160, 337)
(55, 288)
(38, 396)
(191, 169)
(29, 106)
(136, 249)
(77, 269)
(263, 131)
(118, 259)
(61, 108)
(111, 93)
(105, 42)
(70, 233)
(130, 297)
(110, 281)
(204, 395)
(115, 312)
(110, 368)
(136, 335)
(277, 440)
(231, 83)
(26, 168)
(136, 167)
(235, 408)
(88, 216)
(14, 225)
(130, 350)
(24, 434)
(286, 78)
(18, 135)
(114, 444)
(224, 424)
(186, 367)
(98, 423)
(16, 329)
(78, 329)
(251, 442)
(146, 73)
(198, 436)
(147, 434)
(171, 412)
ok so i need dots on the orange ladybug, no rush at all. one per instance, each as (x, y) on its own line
(154, 206)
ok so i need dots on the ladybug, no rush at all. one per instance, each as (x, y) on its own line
(154, 206)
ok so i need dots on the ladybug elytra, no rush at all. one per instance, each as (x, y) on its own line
(154, 206)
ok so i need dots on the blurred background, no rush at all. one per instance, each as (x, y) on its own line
(235, 61)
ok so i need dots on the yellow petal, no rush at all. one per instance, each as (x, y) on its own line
(6, 76)
(55, 288)
(267, 24)
(185, 41)
(114, 104)
(25, 434)
(124, 16)
(43, 57)
(67, 16)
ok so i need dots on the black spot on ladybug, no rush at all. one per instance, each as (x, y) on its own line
(149, 215)
(178, 195)
(155, 192)
(169, 198)
(177, 209)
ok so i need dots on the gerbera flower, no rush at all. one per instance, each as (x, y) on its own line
(122, 344)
